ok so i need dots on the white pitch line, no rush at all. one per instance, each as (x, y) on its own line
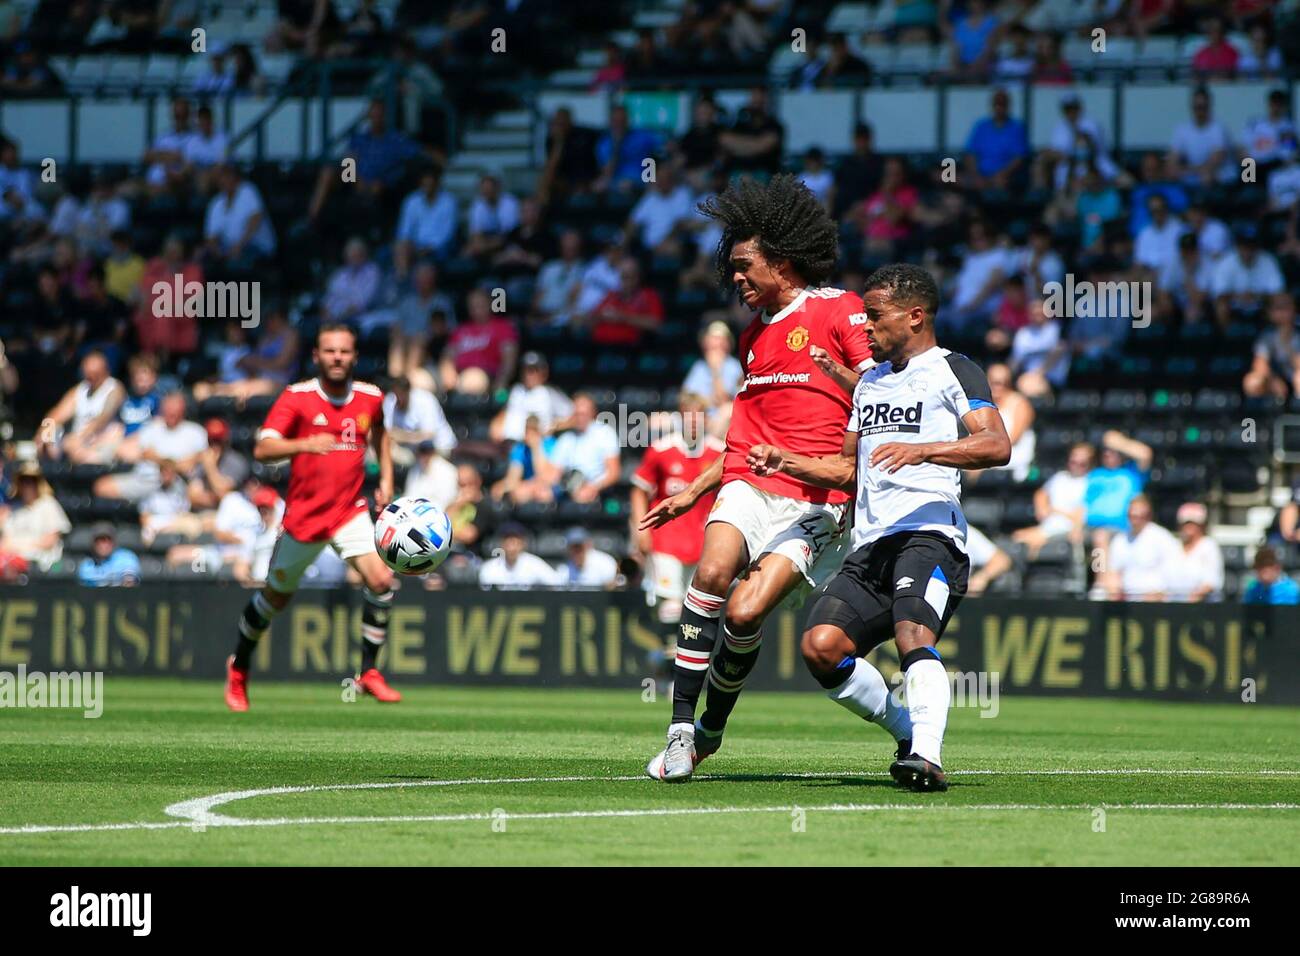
(197, 813)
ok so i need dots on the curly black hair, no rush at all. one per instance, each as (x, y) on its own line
(787, 220)
(906, 284)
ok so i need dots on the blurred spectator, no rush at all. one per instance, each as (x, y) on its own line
(27, 73)
(33, 525)
(123, 268)
(1218, 57)
(1015, 61)
(103, 214)
(613, 74)
(621, 153)
(1018, 416)
(1059, 504)
(523, 250)
(168, 437)
(1270, 585)
(513, 567)
(493, 214)
(1011, 316)
(244, 529)
(307, 25)
(1202, 152)
(571, 165)
(529, 476)
(426, 224)
(977, 284)
(997, 149)
(532, 397)
(1261, 59)
(1284, 202)
(660, 213)
(1157, 244)
(1271, 139)
(167, 330)
(353, 287)
(817, 177)
(1154, 181)
(237, 228)
(18, 203)
(412, 417)
(696, 151)
(973, 37)
(219, 80)
(1097, 205)
(1114, 484)
(1038, 262)
(220, 469)
(988, 562)
(1244, 278)
(1197, 574)
(432, 476)
(858, 175)
(600, 277)
(754, 143)
(1050, 65)
(1275, 368)
(717, 373)
(1140, 560)
(1102, 323)
(102, 322)
(166, 157)
(144, 399)
(588, 455)
(381, 155)
(80, 423)
(626, 314)
(470, 522)
(1039, 358)
(108, 565)
(480, 355)
(1212, 236)
(645, 62)
(264, 369)
(206, 150)
(559, 282)
(244, 70)
(887, 216)
(1186, 284)
(420, 323)
(166, 509)
(586, 567)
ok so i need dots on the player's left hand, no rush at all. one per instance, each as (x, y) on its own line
(764, 460)
(383, 495)
(893, 455)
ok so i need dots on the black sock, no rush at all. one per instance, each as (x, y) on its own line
(374, 625)
(253, 623)
(696, 635)
(735, 658)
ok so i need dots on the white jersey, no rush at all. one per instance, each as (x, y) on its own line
(90, 405)
(924, 401)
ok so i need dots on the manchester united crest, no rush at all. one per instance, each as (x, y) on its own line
(797, 339)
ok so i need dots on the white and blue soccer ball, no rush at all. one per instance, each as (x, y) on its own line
(413, 536)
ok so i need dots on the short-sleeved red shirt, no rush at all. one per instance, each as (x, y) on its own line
(667, 468)
(480, 345)
(785, 400)
(645, 301)
(325, 490)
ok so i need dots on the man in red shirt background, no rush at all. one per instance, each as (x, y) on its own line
(627, 313)
(480, 355)
(323, 425)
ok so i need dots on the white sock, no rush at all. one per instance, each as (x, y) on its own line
(928, 697)
(866, 694)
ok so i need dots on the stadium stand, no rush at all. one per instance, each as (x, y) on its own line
(1007, 156)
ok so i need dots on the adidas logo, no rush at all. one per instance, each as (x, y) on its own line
(751, 356)
(902, 583)
(320, 419)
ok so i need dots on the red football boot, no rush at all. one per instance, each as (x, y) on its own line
(236, 686)
(373, 683)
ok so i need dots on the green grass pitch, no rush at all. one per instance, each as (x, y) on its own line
(799, 781)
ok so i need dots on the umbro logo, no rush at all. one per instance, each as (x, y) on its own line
(320, 419)
(903, 583)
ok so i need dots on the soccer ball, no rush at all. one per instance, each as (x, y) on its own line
(413, 536)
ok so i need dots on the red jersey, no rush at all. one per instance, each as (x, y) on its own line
(481, 345)
(785, 400)
(325, 490)
(667, 468)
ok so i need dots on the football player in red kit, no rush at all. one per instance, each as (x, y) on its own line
(324, 424)
(800, 355)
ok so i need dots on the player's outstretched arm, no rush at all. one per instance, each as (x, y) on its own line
(273, 447)
(383, 445)
(684, 501)
(987, 446)
(834, 471)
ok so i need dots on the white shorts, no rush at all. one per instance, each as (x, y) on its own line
(292, 557)
(774, 524)
(671, 577)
